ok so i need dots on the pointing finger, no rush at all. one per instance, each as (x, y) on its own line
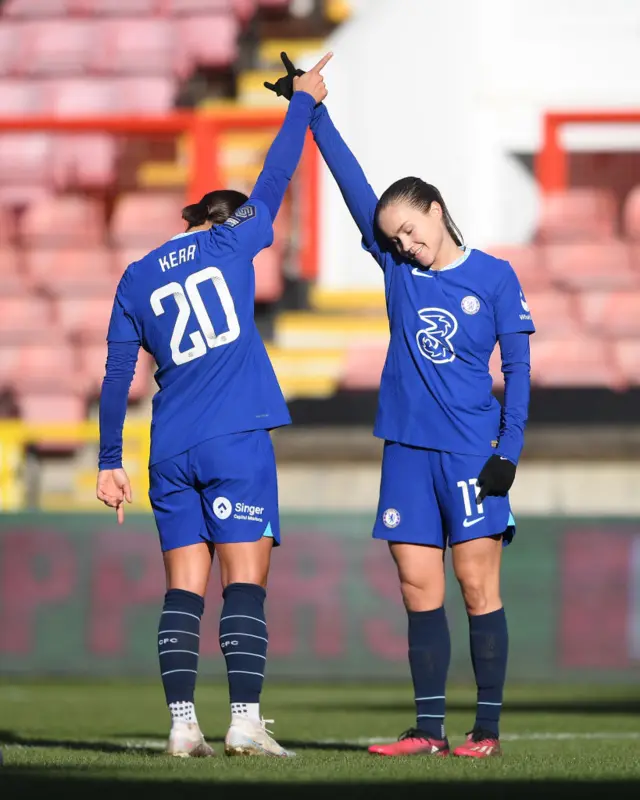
(288, 64)
(270, 86)
(322, 63)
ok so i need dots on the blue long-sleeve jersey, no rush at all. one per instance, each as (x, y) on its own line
(190, 303)
(435, 390)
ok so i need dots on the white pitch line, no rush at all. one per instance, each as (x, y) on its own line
(506, 737)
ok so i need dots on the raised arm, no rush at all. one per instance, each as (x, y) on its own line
(360, 198)
(285, 152)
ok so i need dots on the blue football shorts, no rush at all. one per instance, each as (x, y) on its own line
(428, 497)
(220, 491)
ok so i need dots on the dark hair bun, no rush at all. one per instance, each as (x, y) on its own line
(195, 214)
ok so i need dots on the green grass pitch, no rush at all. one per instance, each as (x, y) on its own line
(96, 740)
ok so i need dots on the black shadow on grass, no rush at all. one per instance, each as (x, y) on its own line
(596, 707)
(21, 783)
(9, 738)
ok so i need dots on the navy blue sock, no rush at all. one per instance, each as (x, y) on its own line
(429, 657)
(489, 649)
(179, 644)
(243, 640)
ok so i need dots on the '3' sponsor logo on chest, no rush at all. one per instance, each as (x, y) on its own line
(435, 340)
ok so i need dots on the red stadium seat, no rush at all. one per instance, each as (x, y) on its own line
(79, 97)
(528, 264)
(627, 356)
(86, 318)
(12, 279)
(51, 366)
(60, 221)
(615, 314)
(84, 161)
(72, 272)
(573, 361)
(25, 158)
(27, 9)
(553, 313)
(594, 265)
(631, 215)
(134, 47)
(144, 95)
(25, 319)
(269, 279)
(146, 220)
(56, 47)
(93, 359)
(19, 98)
(577, 214)
(363, 366)
(205, 42)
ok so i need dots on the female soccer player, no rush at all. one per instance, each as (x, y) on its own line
(450, 451)
(213, 485)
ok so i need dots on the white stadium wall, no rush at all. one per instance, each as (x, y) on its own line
(452, 91)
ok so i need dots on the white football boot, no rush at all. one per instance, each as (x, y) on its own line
(186, 741)
(248, 737)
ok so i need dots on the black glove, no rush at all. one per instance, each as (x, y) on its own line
(496, 478)
(283, 87)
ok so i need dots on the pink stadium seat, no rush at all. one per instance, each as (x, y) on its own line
(573, 361)
(594, 265)
(46, 367)
(12, 279)
(93, 359)
(142, 8)
(205, 42)
(25, 158)
(615, 314)
(123, 256)
(84, 161)
(528, 264)
(9, 365)
(26, 9)
(72, 272)
(363, 366)
(79, 97)
(60, 221)
(144, 95)
(56, 47)
(178, 7)
(19, 98)
(9, 42)
(52, 406)
(627, 356)
(86, 318)
(146, 220)
(577, 214)
(25, 319)
(134, 47)
(7, 226)
(269, 280)
(553, 313)
(631, 214)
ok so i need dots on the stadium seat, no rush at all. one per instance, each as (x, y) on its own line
(56, 47)
(631, 215)
(46, 367)
(269, 280)
(85, 318)
(627, 357)
(9, 365)
(25, 158)
(51, 406)
(25, 9)
(9, 43)
(528, 264)
(12, 280)
(363, 366)
(573, 361)
(71, 271)
(201, 7)
(615, 314)
(25, 319)
(205, 42)
(19, 98)
(79, 97)
(553, 313)
(146, 220)
(590, 265)
(66, 220)
(144, 95)
(80, 162)
(123, 256)
(577, 214)
(134, 47)
(142, 8)
(93, 357)
(7, 226)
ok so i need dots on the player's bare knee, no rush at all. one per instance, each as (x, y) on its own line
(421, 598)
(478, 595)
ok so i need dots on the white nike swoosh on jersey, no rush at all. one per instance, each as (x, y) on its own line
(421, 273)
(467, 523)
